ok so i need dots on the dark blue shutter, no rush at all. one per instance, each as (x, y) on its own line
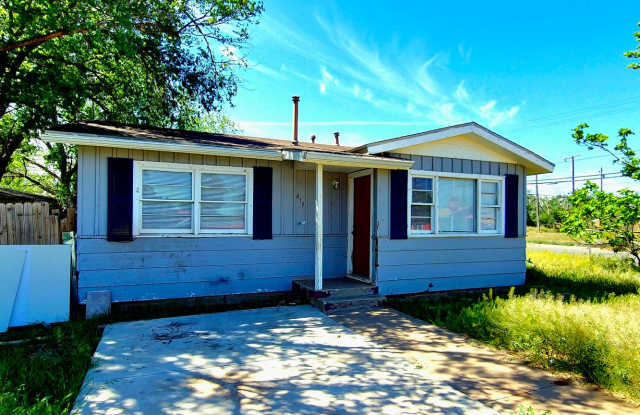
(511, 206)
(398, 213)
(262, 202)
(119, 199)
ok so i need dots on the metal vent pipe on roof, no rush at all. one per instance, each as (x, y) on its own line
(313, 138)
(337, 136)
(295, 99)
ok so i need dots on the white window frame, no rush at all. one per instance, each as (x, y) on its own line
(500, 206)
(435, 231)
(433, 203)
(196, 170)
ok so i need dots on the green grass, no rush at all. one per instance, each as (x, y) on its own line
(44, 375)
(549, 236)
(575, 313)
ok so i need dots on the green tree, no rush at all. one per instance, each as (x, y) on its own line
(160, 62)
(602, 216)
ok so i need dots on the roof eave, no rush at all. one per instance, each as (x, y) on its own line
(138, 144)
(535, 164)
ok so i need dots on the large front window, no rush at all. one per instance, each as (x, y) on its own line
(192, 199)
(455, 204)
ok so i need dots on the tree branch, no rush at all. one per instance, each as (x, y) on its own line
(43, 167)
(38, 40)
(42, 186)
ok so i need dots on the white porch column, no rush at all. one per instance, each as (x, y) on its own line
(318, 274)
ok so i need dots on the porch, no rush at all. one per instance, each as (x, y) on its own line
(339, 293)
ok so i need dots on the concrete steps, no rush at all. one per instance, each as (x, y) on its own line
(340, 294)
(331, 304)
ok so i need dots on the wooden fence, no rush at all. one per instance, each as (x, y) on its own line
(32, 224)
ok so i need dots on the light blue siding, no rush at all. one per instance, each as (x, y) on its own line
(159, 268)
(448, 263)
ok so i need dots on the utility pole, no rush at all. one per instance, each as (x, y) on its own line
(537, 205)
(601, 177)
(573, 172)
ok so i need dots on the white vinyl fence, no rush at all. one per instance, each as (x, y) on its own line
(35, 281)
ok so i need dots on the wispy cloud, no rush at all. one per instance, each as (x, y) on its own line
(405, 82)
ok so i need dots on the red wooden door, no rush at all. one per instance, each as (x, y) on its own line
(361, 225)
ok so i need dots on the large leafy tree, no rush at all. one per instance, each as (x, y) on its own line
(161, 62)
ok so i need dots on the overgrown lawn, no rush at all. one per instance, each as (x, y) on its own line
(44, 375)
(576, 313)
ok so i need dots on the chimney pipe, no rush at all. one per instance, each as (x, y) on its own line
(295, 99)
(313, 138)
(337, 136)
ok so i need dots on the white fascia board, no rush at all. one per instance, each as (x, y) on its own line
(132, 143)
(537, 163)
(357, 161)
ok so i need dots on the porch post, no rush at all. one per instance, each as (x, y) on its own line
(318, 273)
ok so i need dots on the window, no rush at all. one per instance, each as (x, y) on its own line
(456, 205)
(489, 206)
(451, 203)
(421, 204)
(191, 199)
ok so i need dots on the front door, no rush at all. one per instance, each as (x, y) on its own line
(361, 225)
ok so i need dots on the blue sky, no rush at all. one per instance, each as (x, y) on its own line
(531, 72)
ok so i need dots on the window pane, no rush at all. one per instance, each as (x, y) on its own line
(421, 210)
(489, 199)
(166, 222)
(166, 185)
(420, 224)
(489, 187)
(166, 208)
(422, 183)
(222, 215)
(489, 193)
(166, 215)
(420, 196)
(221, 187)
(220, 194)
(456, 205)
(489, 219)
(222, 180)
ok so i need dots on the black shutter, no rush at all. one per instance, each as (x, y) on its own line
(511, 206)
(262, 202)
(119, 199)
(398, 213)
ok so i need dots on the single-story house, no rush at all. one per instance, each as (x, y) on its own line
(166, 213)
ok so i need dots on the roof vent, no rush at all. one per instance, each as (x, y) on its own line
(313, 138)
(337, 136)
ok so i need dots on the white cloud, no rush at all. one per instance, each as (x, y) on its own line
(461, 92)
(400, 80)
(465, 53)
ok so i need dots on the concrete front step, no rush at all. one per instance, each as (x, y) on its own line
(329, 304)
(336, 288)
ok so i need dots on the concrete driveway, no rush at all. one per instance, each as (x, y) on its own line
(284, 360)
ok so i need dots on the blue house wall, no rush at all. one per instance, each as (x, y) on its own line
(159, 267)
(154, 267)
(439, 263)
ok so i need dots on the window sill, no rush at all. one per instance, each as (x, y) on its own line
(186, 235)
(459, 235)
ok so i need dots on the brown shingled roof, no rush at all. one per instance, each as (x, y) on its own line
(169, 135)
